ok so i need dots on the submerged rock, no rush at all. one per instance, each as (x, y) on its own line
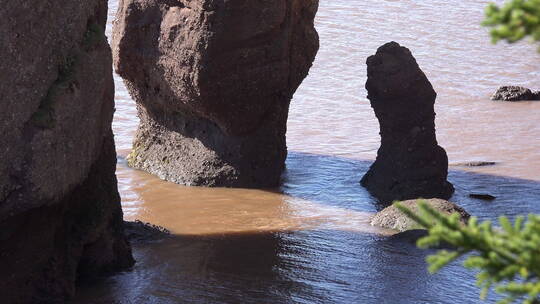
(392, 218)
(140, 232)
(515, 93)
(410, 163)
(411, 237)
(475, 164)
(482, 196)
(60, 213)
(213, 81)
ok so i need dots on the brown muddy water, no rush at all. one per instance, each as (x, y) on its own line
(310, 241)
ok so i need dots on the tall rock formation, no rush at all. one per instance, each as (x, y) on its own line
(213, 80)
(410, 164)
(60, 213)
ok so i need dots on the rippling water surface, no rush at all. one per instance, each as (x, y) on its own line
(310, 241)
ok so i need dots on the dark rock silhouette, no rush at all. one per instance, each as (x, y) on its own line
(60, 213)
(409, 164)
(213, 81)
(515, 93)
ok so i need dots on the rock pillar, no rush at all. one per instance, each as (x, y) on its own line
(410, 164)
(213, 80)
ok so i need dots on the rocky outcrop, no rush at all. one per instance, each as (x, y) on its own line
(213, 81)
(515, 93)
(392, 218)
(60, 214)
(410, 163)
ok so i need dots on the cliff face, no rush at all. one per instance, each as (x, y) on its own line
(213, 80)
(410, 164)
(60, 215)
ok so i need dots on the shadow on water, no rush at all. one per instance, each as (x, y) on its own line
(335, 180)
(293, 267)
(314, 265)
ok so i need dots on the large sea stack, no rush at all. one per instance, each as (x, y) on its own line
(410, 164)
(213, 80)
(60, 214)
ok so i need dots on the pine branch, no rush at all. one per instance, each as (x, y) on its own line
(508, 258)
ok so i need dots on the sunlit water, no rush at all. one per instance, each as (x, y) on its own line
(310, 241)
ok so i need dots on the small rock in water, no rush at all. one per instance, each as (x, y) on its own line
(392, 218)
(480, 196)
(515, 93)
(474, 164)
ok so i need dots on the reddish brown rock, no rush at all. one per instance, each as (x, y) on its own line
(60, 214)
(410, 164)
(213, 80)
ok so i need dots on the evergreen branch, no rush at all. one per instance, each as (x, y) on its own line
(508, 258)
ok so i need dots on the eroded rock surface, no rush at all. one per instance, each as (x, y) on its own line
(60, 214)
(392, 218)
(410, 163)
(515, 93)
(213, 80)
